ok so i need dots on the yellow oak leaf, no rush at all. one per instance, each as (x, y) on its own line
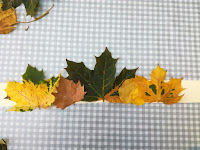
(29, 96)
(8, 18)
(140, 90)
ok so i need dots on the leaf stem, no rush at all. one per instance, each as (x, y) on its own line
(25, 29)
(40, 17)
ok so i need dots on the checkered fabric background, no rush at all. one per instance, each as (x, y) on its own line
(143, 34)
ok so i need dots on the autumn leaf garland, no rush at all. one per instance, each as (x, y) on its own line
(91, 85)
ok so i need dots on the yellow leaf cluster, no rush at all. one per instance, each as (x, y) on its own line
(8, 18)
(29, 96)
(139, 90)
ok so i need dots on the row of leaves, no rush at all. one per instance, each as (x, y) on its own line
(91, 85)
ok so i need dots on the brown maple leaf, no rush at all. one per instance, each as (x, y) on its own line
(8, 18)
(68, 93)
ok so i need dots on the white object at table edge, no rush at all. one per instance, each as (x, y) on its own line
(191, 93)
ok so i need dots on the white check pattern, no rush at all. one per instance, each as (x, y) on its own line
(143, 34)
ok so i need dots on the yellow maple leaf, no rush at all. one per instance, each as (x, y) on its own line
(8, 18)
(29, 96)
(140, 90)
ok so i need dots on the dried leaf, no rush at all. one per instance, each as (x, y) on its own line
(34, 92)
(113, 95)
(30, 5)
(68, 93)
(97, 82)
(3, 145)
(127, 93)
(7, 4)
(8, 18)
(29, 96)
(140, 90)
(124, 74)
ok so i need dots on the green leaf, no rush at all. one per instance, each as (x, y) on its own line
(97, 82)
(7, 4)
(31, 6)
(3, 145)
(33, 75)
(124, 74)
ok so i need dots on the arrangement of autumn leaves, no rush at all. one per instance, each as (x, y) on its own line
(91, 85)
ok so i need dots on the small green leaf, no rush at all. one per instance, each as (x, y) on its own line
(97, 82)
(3, 145)
(33, 75)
